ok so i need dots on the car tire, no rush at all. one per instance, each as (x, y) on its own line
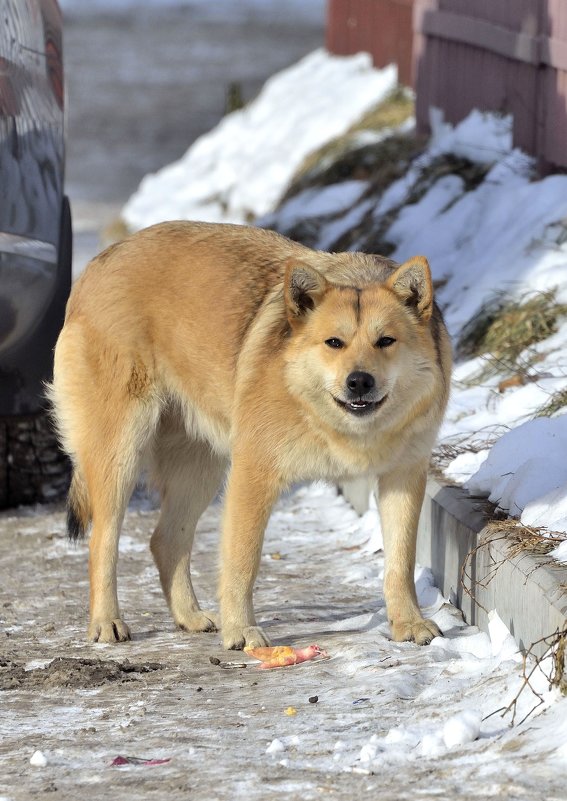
(33, 469)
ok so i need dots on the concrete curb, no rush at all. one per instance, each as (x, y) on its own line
(528, 591)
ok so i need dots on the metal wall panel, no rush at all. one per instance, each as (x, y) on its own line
(507, 56)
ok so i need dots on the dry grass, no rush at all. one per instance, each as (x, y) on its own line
(115, 231)
(347, 157)
(504, 330)
(485, 437)
(471, 173)
(381, 163)
(518, 539)
(396, 154)
(557, 403)
(553, 669)
(390, 113)
(234, 100)
(522, 540)
(526, 539)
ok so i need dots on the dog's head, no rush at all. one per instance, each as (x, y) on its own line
(360, 355)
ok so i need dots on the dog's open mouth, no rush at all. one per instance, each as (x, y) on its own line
(360, 407)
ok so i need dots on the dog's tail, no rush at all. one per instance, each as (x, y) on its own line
(78, 507)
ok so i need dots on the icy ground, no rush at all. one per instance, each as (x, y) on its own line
(506, 235)
(391, 720)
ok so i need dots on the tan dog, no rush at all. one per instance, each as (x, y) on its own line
(191, 344)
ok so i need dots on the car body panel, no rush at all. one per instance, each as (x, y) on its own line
(34, 281)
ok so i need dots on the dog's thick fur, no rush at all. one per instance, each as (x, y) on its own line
(192, 345)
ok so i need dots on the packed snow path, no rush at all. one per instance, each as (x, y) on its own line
(392, 720)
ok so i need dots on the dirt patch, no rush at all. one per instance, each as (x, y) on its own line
(74, 673)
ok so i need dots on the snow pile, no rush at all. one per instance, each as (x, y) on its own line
(479, 137)
(524, 466)
(416, 741)
(241, 168)
(502, 233)
(505, 235)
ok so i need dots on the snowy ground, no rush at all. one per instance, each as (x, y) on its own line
(392, 720)
(506, 235)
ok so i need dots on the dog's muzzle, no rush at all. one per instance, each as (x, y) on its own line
(360, 407)
(360, 392)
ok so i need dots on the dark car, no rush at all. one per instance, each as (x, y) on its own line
(35, 244)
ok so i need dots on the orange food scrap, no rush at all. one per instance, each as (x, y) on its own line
(517, 380)
(291, 710)
(284, 655)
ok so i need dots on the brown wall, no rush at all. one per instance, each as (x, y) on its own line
(508, 56)
(382, 28)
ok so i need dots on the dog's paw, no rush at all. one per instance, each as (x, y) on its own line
(198, 621)
(108, 631)
(419, 631)
(235, 638)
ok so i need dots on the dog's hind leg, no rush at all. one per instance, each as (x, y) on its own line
(110, 484)
(188, 475)
(106, 413)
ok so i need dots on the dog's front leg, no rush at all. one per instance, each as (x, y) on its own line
(400, 497)
(251, 492)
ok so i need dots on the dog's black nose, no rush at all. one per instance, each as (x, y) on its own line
(360, 383)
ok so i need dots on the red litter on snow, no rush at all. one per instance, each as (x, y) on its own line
(126, 760)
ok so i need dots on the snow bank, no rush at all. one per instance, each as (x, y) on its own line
(483, 138)
(524, 465)
(504, 236)
(241, 168)
(507, 234)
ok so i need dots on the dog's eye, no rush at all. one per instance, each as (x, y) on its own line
(385, 342)
(334, 342)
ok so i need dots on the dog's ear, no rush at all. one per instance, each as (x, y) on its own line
(303, 288)
(413, 285)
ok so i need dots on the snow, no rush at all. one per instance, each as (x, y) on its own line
(525, 464)
(38, 759)
(241, 168)
(506, 235)
(401, 713)
(275, 747)
(462, 728)
(322, 201)
(499, 237)
(418, 704)
(478, 138)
